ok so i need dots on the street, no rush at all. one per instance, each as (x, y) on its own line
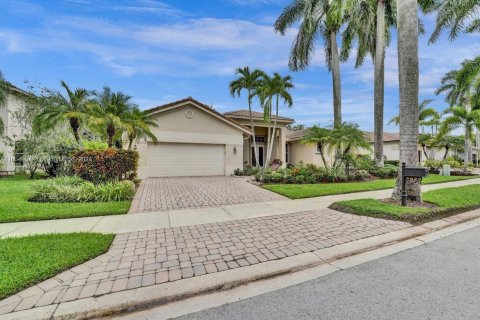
(440, 280)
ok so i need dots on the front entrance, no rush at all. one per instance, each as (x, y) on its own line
(261, 156)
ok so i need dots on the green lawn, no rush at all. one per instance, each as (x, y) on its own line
(299, 191)
(448, 201)
(30, 260)
(14, 205)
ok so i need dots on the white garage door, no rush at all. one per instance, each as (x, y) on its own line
(181, 159)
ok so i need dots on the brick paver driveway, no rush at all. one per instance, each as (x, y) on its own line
(175, 193)
(145, 258)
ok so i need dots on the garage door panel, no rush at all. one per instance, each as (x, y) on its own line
(177, 159)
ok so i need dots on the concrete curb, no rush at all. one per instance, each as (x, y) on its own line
(341, 256)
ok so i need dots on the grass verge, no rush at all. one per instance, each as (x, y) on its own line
(448, 201)
(14, 205)
(299, 191)
(29, 260)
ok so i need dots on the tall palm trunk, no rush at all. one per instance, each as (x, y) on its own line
(272, 140)
(337, 90)
(255, 151)
(379, 84)
(407, 22)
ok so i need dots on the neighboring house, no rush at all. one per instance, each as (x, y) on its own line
(309, 153)
(195, 140)
(15, 100)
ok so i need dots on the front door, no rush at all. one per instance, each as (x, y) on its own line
(261, 156)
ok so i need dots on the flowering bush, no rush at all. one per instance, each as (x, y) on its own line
(107, 165)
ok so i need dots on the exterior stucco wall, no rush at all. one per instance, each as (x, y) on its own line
(11, 130)
(178, 126)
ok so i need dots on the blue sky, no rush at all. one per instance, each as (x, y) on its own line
(161, 51)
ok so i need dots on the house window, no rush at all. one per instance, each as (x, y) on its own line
(286, 153)
(319, 147)
(259, 138)
(419, 156)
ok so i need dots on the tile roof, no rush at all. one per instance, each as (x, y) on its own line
(256, 115)
(293, 135)
(202, 105)
(387, 136)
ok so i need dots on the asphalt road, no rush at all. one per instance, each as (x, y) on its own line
(440, 280)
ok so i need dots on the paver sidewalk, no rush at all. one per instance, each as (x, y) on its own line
(179, 218)
(146, 258)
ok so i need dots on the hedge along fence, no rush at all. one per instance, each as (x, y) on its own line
(106, 165)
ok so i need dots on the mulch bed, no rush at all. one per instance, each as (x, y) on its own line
(413, 204)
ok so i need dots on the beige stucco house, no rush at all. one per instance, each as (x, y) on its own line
(15, 100)
(308, 153)
(195, 140)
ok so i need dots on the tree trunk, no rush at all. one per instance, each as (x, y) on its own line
(424, 148)
(407, 24)
(337, 90)
(467, 151)
(272, 140)
(75, 124)
(255, 152)
(320, 149)
(379, 83)
(110, 133)
(130, 142)
(446, 153)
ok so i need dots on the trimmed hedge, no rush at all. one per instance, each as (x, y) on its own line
(106, 165)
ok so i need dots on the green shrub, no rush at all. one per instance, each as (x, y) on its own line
(248, 171)
(94, 145)
(277, 177)
(392, 162)
(108, 165)
(388, 171)
(58, 159)
(75, 189)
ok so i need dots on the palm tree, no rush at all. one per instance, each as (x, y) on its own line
(368, 23)
(319, 19)
(3, 98)
(70, 108)
(462, 117)
(425, 140)
(346, 138)
(109, 114)
(427, 116)
(248, 81)
(407, 46)
(462, 88)
(138, 124)
(273, 87)
(448, 142)
(320, 137)
(455, 15)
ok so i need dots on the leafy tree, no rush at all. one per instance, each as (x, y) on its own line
(249, 81)
(109, 113)
(320, 137)
(462, 117)
(368, 23)
(407, 47)
(276, 87)
(70, 108)
(138, 124)
(425, 140)
(318, 19)
(456, 16)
